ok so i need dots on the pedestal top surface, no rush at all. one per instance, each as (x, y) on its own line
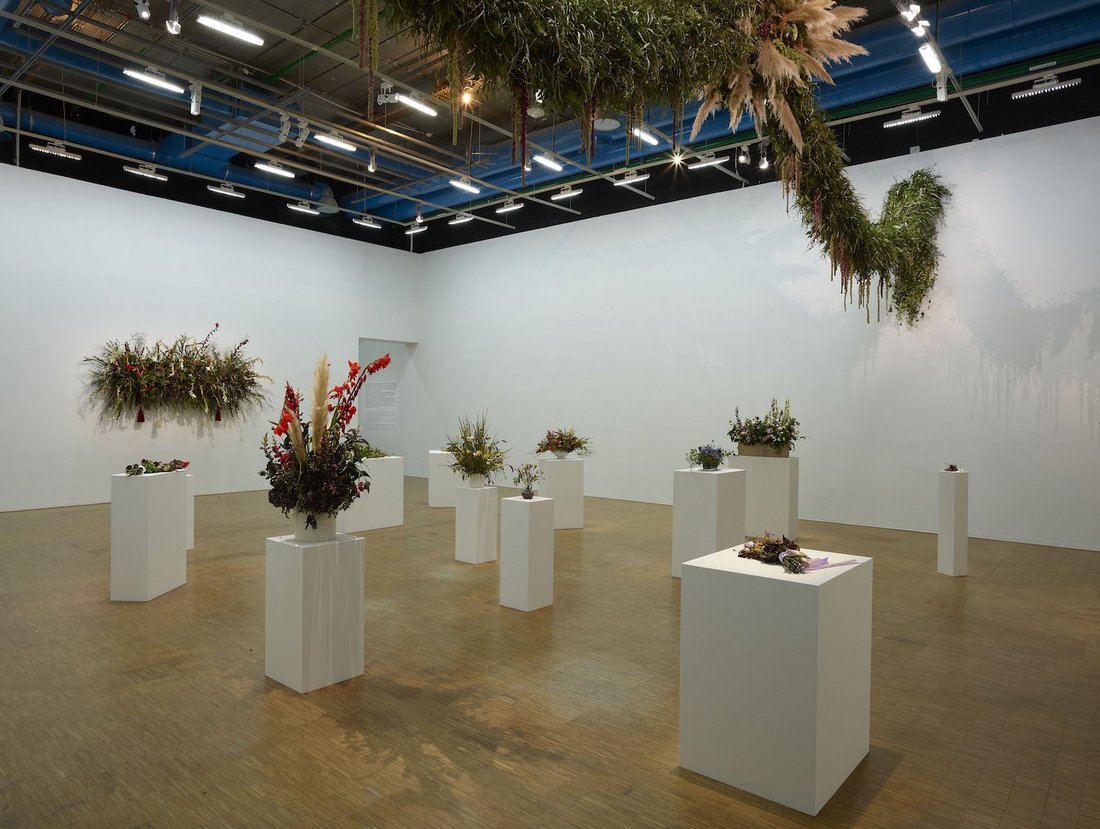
(438, 452)
(712, 471)
(561, 460)
(727, 561)
(953, 472)
(289, 539)
(149, 474)
(534, 500)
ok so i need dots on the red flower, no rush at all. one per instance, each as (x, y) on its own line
(353, 369)
(379, 364)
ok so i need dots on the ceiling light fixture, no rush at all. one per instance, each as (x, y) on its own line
(461, 219)
(911, 13)
(196, 99)
(464, 184)
(145, 171)
(228, 26)
(764, 163)
(743, 157)
(416, 229)
(677, 158)
(172, 22)
(708, 160)
(547, 162)
(372, 165)
(567, 192)
(366, 221)
(284, 127)
(419, 218)
(303, 207)
(633, 177)
(225, 189)
(416, 104)
(1047, 83)
(912, 115)
(303, 133)
(931, 59)
(154, 78)
(941, 87)
(273, 167)
(920, 28)
(509, 206)
(142, 9)
(58, 149)
(647, 137)
(334, 140)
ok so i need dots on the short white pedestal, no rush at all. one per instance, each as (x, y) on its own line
(527, 552)
(775, 675)
(771, 494)
(314, 611)
(148, 535)
(954, 523)
(563, 481)
(384, 505)
(190, 512)
(476, 512)
(708, 513)
(442, 480)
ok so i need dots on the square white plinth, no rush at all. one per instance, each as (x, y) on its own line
(442, 480)
(775, 675)
(384, 505)
(708, 512)
(148, 535)
(952, 548)
(313, 611)
(771, 494)
(563, 481)
(527, 552)
(476, 514)
(190, 512)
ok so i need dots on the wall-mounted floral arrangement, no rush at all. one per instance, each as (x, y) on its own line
(183, 376)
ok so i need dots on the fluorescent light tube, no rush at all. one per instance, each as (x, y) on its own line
(154, 78)
(303, 207)
(231, 28)
(461, 219)
(225, 190)
(416, 229)
(912, 116)
(146, 171)
(630, 178)
(645, 136)
(366, 221)
(334, 141)
(708, 160)
(510, 205)
(464, 184)
(410, 101)
(547, 162)
(273, 167)
(1050, 83)
(931, 59)
(566, 192)
(58, 149)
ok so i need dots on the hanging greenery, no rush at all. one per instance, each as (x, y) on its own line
(764, 56)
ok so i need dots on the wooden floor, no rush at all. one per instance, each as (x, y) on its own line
(985, 707)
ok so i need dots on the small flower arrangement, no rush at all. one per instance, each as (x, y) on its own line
(373, 451)
(151, 467)
(314, 465)
(777, 429)
(708, 457)
(564, 441)
(774, 549)
(475, 451)
(951, 468)
(527, 474)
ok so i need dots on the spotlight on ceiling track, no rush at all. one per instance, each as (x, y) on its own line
(145, 171)
(154, 78)
(334, 140)
(228, 26)
(910, 14)
(743, 156)
(708, 160)
(196, 99)
(645, 136)
(172, 21)
(419, 218)
(142, 9)
(633, 177)
(58, 149)
(912, 115)
(303, 133)
(372, 165)
(461, 219)
(463, 183)
(764, 163)
(274, 168)
(941, 87)
(567, 192)
(304, 207)
(1047, 83)
(547, 162)
(510, 206)
(366, 221)
(416, 229)
(284, 127)
(225, 189)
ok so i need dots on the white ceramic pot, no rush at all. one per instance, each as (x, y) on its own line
(326, 528)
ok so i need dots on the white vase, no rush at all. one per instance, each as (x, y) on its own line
(559, 453)
(475, 481)
(326, 528)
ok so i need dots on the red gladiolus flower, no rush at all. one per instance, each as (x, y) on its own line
(353, 369)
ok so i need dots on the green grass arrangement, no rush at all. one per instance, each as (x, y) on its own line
(183, 376)
(475, 450)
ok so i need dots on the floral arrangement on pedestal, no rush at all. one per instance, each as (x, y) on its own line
(475, 451)
(152, 467)
(774, 434)
(314, 465)
(951, 468)
(708, 457)
(774, 549)
(527, 474)
(563, 441)
(185, 375)
(370, 452)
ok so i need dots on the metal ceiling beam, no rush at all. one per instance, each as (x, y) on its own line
(33, 59)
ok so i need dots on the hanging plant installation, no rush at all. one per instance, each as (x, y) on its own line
(765, 56)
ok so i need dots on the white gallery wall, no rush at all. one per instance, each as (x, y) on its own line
(82, 264)
(645, 329)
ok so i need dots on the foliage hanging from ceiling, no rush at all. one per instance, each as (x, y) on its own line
(764, 56)
(185, 376)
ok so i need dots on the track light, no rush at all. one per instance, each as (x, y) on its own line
(527, 165)
(931, 59)
(547, 162)
(912, 115)
(764, 163)
(334, 140)
(1047, 83)
(708, 160)
(941, 87)
(419, 218)
(911, 13)
(410, 101)
(647, 137)
(920, 28)
(303, 207)
(58, 149)
(284, 127)
(366, 221)
(196, 98)
(228, 26)
(461, 219)
(274, 168)
(172, 21)
(677, 158)
(510, 206)
(225, 189)
(567, 192)
(145, 171)
(633, 177)
(743, 157)
(303, 133)
(372, 165)
(416, 229)
(142, 9)
(463, 183)
(154, 78)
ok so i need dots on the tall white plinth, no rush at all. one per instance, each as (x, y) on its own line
(190, 512)
(771, 494)
(527, 552)
(442, 480)
(476, 513)
(954, 535)
(148, 535)
(775, 675)
(708, 512)
(313, 611)
(384, 505)
(563, 481)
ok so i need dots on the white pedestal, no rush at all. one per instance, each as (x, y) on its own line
(708, 513)
(476, 512)
(775, 675)
(563, 481)
(952, 548)
(190, 512)
(527, 552)
(313, 611)
(771, 494)
(384, 505)
(442, 481)
(148, 535)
